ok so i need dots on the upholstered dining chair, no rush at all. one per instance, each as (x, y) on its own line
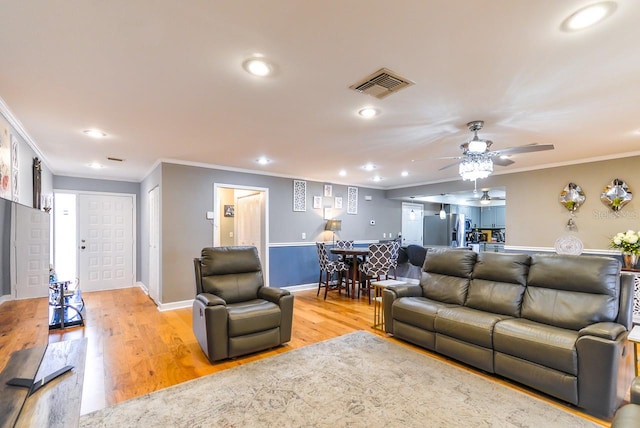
(329, 267)
(234, 313)
(393, 261)
(376, 265)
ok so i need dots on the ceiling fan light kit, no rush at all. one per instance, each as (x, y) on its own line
(475, 166)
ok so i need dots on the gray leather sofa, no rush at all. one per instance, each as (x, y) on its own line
(234, 313)
(555, 323)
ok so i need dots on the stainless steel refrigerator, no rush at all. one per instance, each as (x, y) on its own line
(444, 232)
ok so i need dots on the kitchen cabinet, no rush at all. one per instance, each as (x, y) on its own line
(492, 248)
(492, 217)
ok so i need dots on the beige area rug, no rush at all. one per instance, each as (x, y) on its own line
(355, 380)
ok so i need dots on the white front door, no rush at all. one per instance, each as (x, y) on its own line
(412, 224)
(107, 241)
(154, 245)
(31, 252)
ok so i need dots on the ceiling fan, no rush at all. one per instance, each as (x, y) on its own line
(485, 199)
(477, 160)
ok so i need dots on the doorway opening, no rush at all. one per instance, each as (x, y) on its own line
(412, 232)
(242, 219)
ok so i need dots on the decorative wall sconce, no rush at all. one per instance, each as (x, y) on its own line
(572, 197)
(616, 195)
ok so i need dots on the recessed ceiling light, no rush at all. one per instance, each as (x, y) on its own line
(377, 178)
(342, 173)
(369, 167)
(95, 133)
(263, 160)
(368, 112)
(258, 66)
(404, 173)
(96, 165)
(589, 16)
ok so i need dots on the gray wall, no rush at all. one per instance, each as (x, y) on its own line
(187, 194)
(76, 184)
(534, 215)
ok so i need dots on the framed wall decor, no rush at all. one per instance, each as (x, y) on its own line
(338, 202)
(317, 202)
(15, 174)
(5, 165)
(328, 190)
(229, 210)
(299, 195)
(352, 200)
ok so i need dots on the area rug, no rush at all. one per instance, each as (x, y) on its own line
(355, 380)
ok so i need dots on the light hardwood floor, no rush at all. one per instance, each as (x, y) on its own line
(134, 349)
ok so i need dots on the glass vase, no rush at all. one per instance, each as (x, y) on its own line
(629, 260)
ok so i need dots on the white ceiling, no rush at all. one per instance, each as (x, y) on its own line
(163, 78)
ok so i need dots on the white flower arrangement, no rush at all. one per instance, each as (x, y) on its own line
(628, 242)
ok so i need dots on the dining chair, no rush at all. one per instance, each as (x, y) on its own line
(376, 265)
(393, 262)
(329, 267)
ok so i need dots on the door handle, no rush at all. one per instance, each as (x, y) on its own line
(83, 247)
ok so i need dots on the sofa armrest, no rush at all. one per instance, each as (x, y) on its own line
(390, 294)
(272, 294)
(635, 391)
(605, 330)
(209, 299)
(405, 290)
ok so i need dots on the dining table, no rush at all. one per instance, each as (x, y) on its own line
(354, 253)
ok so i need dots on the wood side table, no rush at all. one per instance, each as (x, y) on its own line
(634, 338)
(378, 308)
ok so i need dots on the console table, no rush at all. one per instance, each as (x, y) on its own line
(57, 403)
(66, 306)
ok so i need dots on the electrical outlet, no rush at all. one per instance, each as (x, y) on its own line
(209, 215)
(384, 235)
(230, 234)
(390, 235)
(304, 235)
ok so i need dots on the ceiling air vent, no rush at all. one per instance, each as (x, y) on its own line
(382, 83)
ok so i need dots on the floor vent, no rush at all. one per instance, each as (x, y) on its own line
(382, 83)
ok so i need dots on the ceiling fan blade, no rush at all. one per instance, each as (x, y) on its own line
(502, 162)
(449, 166)
(525, 149)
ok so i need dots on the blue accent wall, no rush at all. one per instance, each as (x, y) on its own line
(294, 265)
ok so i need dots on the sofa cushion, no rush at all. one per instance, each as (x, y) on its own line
(538, 343)
(572, 291)
(498, 283)
(446, 274)
(252, 316)
(467, 324)
(417, 311)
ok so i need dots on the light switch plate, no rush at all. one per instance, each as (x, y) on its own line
(209, 215)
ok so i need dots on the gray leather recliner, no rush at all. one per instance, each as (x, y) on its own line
(234, 313)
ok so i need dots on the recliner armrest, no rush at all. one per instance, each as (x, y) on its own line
(272, 294)
(210, 299)
(605, 330)
(406, 290)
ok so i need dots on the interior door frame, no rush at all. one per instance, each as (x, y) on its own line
(265, 214)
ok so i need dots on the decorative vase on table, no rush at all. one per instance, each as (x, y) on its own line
(629, 260)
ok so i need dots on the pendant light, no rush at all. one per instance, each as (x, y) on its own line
(443, 214)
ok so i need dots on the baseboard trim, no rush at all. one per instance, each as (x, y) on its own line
(5, 298)
(175, 305)
(301, 287)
